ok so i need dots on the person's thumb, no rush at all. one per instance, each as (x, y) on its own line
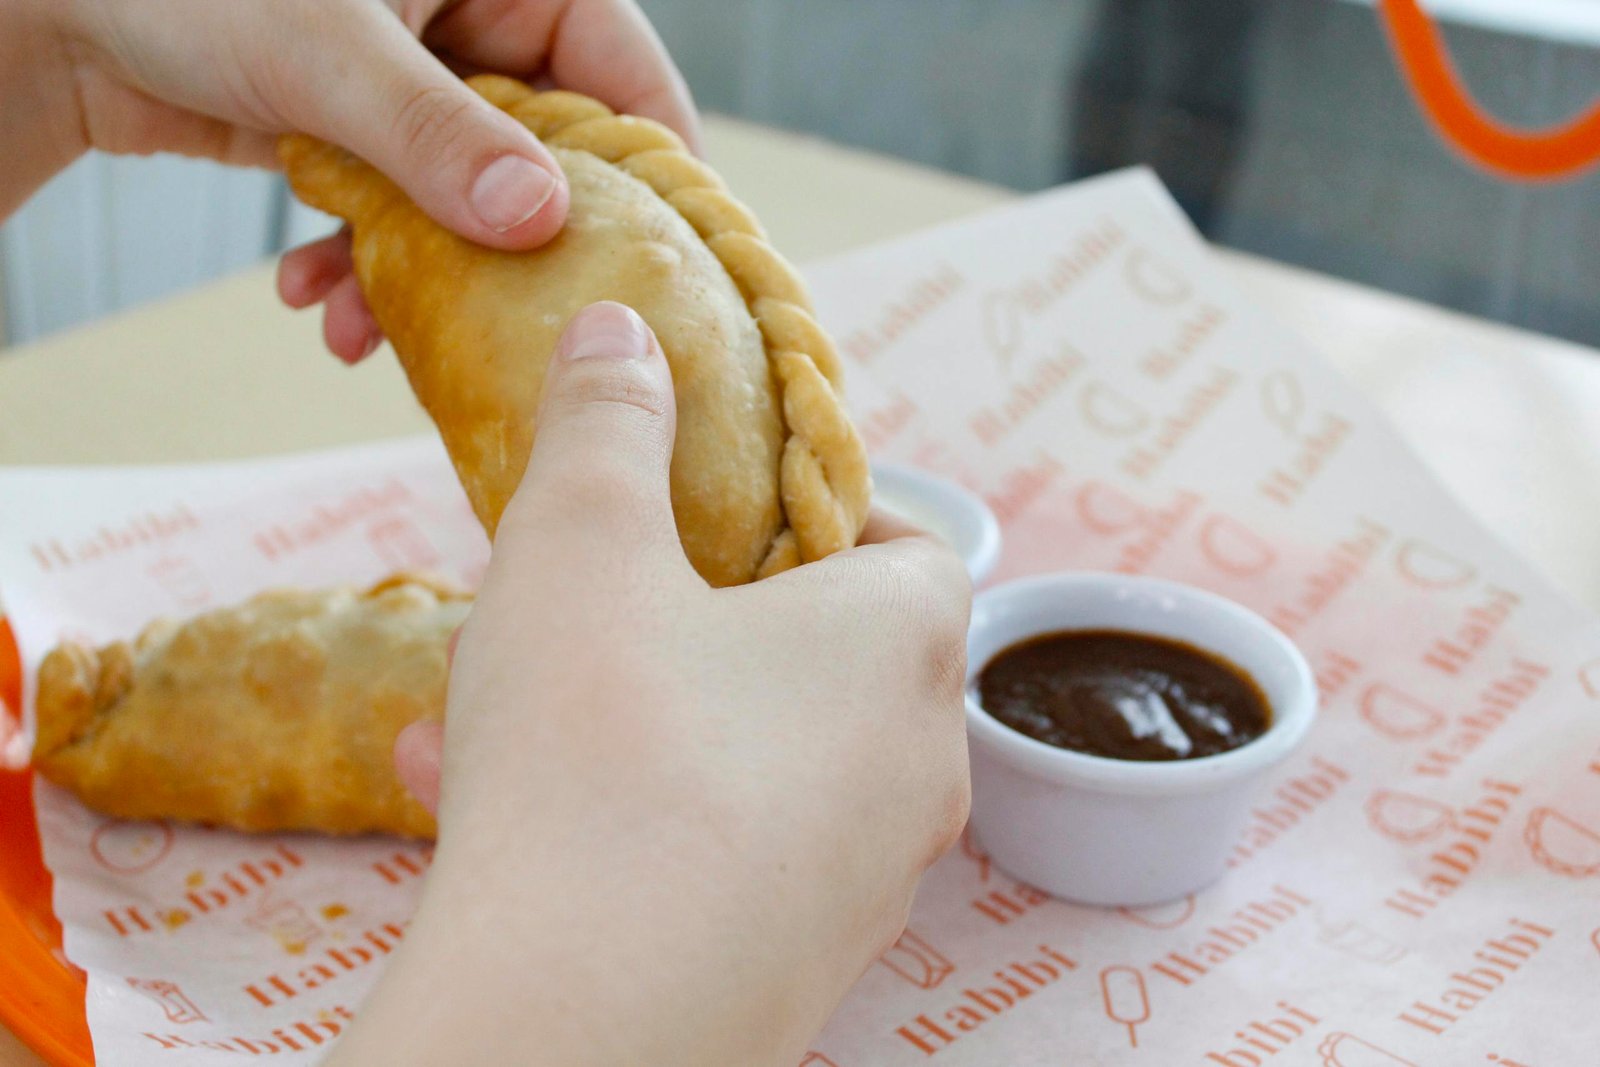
(465, 162)
(598, 476)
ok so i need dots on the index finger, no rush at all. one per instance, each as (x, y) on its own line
(606, 49)
(884, 525)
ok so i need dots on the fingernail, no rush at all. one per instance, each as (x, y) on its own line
(607, 330)
(510, 191)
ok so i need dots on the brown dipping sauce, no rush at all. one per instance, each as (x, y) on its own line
(1123, 695)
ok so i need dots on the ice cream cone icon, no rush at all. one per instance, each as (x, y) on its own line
(1346, 1050)
(1432, 568)
(1407, 817)
(1397, 715)
(917, 962)
(1232, 547)
(1562, 845)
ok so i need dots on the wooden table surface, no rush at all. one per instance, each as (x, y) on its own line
(1508, 419)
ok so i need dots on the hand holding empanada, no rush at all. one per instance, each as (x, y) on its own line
(767, 470)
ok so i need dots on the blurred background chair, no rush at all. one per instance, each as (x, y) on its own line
(1282, 126)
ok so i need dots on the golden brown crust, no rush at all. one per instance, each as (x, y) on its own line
(768, 471)
(279, 713)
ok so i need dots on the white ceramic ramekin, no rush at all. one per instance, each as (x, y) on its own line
(942, 508)
(1123, 832)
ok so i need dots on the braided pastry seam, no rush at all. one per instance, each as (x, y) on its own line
(824, 481)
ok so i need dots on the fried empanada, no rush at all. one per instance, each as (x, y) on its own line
(767, 471)
(279, 713)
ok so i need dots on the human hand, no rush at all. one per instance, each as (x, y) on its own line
(224, 80)
(677, 822)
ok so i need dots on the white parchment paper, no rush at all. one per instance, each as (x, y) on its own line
(1419, 885)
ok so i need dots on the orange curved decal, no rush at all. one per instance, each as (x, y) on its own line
(1525, 155)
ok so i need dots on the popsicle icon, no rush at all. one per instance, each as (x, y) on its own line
(1407, 817)
(1562, 845)
(1347, 1050)
(1126, 1000)
(917, 962)
(1398, 715)
(1283, 400)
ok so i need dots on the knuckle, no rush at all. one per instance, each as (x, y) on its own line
(427, 120)
(614, 387)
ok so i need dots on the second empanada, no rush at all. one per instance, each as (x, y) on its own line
(767, 469)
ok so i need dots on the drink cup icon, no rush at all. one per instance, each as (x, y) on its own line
(917, 962)
(1347, 1050)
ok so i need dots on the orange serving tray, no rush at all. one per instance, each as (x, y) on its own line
(41, 994)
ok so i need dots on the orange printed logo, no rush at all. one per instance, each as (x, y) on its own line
(917, 962)
(1396, 715)
(1346, 1050)
(1406, 817)
(1123, 993)
(817, 1059)
(1562, 845)
(172, 1000)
